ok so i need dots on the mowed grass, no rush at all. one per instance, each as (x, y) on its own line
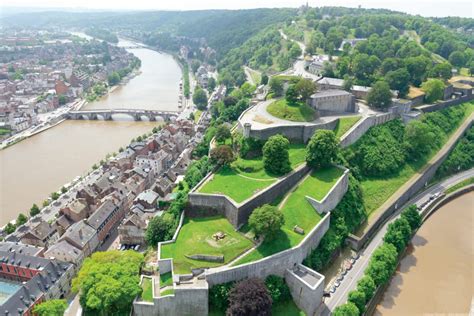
(300, 112)
(147, 294)
(287, 308)
(246, 177)
(344, 124)
(297, 211)
(166, 279)
(195, 237)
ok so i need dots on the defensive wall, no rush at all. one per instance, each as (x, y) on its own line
(415, 184)
(444, 104)
(203, 204)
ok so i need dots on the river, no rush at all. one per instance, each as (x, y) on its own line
(436, 276)
(35, 167)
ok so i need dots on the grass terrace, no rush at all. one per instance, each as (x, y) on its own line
(166, 279)
(300, 112)
(246, 177)
(297, 211)
(147, 294)
(195, 237)
(344, 124)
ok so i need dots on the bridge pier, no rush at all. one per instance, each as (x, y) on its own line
(137, 117)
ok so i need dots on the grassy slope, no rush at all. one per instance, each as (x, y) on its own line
(344, 124)
(459, 185)
(147, 294)
(166, 279)
(297, 113)
(229, 181)
(195, 237)
(287, 308)
(297, 211)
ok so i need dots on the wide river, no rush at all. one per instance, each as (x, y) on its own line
(436, 277)
(35, 167)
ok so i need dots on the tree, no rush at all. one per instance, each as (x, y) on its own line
(348, 83)
(358, 298)
(398, 234)
(322, 149)
(348, 309)
(291, 96)
(379, 272)
(219, 295)
(382, 264)
(51, 308)
(399, 80)
(222, 155)
(113, 78)
(442, 70)
(276, 86)
(264, 79)
(434, 90)
(305, 88)
(200, 98)
(222, 133)
(366, 285)
(21, 219)
(34, 210)
(267, 221)
(108, 282)
(211, 84)
(412, 216)
(249, 298)
(457, 59)
(159, 229)
(195, 64)
(62, 99)
(9, 228)
(295, 51)
(419, 138)
(276, 286)
(380, 95)
(276, 159)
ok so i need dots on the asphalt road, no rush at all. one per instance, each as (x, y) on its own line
(349, 282)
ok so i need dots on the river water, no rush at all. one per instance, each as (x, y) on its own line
(436, 276)
(35, 167)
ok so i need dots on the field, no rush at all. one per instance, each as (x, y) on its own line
(246, 177)
(195, 237)
(297, 211)
(301, 112)
(344, 124)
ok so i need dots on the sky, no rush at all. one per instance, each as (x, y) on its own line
(463, 8)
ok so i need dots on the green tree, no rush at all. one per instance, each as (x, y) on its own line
(348, 309)
(264, 79)
(419, 138)
(367, 286)
(113, 79)
(434, 90)
(457, 59)
(399, 80)
(276, 86)
(267, 221)
(211, 84)
(108, 282)
(398, 234)
(291, 96)
(412, 216)
(62, 99)
(34, 210)
(222, 155)
(295, 51)
(9, 228)
(382, 264)
(348, 83)
(442, 70)
(380, 95)
(322, 149)
(222, 133)
(195, 64)
(276, 286)
(200, 98)
(51, 308)
(21, 219)
(159, 229)
(305, 88)
(358, 299)
(276, 159)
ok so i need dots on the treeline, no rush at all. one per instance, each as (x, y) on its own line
(102, 34)
(383, 262)
(115, 77)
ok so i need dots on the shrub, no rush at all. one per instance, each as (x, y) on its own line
(279, 291)
(249, 297)
(219, 296)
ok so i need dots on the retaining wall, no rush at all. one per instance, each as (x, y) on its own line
(203, 204)
(444, 104)
(334, 196)
(361, 127)
(276, 264)
(358, 242)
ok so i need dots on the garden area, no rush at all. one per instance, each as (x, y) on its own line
(147, 294)
(297, 112)
(197, 237)
(247, 176)
(344, 124)
(297, 211)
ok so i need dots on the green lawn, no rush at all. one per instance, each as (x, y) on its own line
(246, 177)
(287, 308)
(147, 294)
(297, 211)
(195, 237)
(197, 115)
(301, 112)
(256, 76)
(344, 124)
(4, 131)
(167, 292)
(166, 279)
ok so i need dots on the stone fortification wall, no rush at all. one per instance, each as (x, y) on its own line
(333, 197)
(445, 104)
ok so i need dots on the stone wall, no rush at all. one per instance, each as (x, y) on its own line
(361, 127)
(203, 204)
(333, 197)
(444, 104)
(418, 184)
(276, 264)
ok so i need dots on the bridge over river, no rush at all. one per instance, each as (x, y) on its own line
(107, 115)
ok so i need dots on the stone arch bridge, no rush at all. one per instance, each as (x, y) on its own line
(107, 114)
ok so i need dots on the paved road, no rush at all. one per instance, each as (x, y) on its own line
(350, 280)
